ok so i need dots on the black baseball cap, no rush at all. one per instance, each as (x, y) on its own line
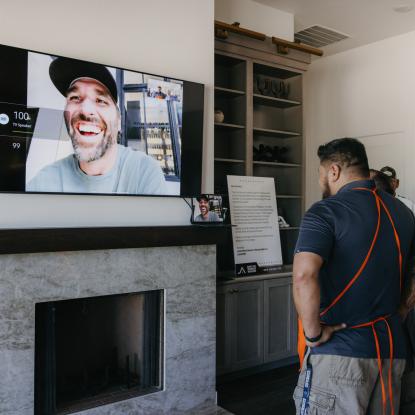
(389, 171)
(63, 71)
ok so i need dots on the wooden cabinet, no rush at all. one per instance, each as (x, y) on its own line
(280, 320)
(256, 323)
(240, 325)
(224, 322)
(248, 325)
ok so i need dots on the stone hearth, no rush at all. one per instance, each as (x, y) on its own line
(186, 273)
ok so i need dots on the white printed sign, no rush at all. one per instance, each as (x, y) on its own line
(255, 230)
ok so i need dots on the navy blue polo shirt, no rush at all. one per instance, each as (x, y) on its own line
(340, 229)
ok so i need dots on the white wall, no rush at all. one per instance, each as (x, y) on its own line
(365, 93)
(256, 16)
(165, 37)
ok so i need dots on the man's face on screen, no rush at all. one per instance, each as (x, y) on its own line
(204, 207)
(92, 119)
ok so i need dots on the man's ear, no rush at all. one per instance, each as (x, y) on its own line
(334, 172)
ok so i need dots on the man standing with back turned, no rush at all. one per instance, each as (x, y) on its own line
(352, 269)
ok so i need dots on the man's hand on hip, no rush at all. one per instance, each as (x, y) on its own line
(326, 333)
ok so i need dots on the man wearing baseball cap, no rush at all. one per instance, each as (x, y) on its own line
(394, 181)
(99, 164)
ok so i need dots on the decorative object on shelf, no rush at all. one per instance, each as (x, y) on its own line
(263, 85)
(282, 223)
(280, 89)
(270, 154)
(272, 87)
(285, 90)
(219, 116)
(276, 88)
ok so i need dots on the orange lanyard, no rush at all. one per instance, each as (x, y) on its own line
(301, 337)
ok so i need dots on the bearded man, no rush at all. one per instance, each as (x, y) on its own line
(352, 277)
(98, 164)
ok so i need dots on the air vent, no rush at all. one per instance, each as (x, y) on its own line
(319, 36)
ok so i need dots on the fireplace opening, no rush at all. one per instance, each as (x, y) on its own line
(95, 351)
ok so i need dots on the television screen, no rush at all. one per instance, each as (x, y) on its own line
(71, 126)
(208, 209)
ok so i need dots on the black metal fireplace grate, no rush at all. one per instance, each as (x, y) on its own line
(94, 351)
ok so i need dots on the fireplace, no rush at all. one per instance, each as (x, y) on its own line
(44, 266)
(94, 351)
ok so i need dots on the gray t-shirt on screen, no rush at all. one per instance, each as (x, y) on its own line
(212, 217)
(133, 173)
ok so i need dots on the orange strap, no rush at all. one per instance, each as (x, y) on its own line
(301, 345)
(379, 359)
(365, 261)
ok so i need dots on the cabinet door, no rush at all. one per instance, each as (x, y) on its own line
(279, 320)
(223, 329)
(247, 325)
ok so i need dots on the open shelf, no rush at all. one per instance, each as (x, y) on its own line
(223, 160)
(275, 164)
(227, 92)
(275, 133)
(289, 197)
(230, 72)
(275, 102)
(274, 71)
(224, 125)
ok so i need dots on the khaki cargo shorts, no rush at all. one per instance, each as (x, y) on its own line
(348, 386)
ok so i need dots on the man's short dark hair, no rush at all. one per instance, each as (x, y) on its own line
(389, 171)
(204, 197)
(382, 181)
(349, 153)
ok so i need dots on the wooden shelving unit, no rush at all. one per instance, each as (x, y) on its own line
(220, 160)
(275, 102)
(259, 119)
(289, 197)
(227, 126)
(227, 92)
(275, 164)
(249, 77)
(274, 133)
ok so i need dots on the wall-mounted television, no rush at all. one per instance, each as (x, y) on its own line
(77, 127)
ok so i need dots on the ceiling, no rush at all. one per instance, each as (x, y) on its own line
(365, 21)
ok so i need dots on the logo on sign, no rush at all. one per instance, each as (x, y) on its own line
(251, 269)
(4, 119)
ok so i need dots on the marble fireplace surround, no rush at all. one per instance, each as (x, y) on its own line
(55, 264)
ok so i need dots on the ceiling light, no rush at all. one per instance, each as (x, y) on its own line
(403, 8)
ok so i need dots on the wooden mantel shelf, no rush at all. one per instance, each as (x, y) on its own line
(18, 241)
